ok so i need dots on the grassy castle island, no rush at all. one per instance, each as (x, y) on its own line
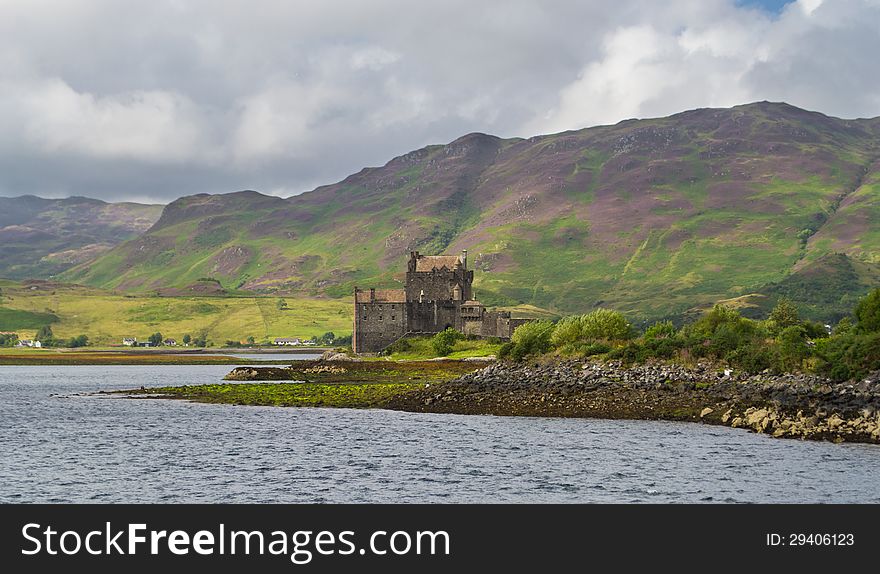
(782, 376)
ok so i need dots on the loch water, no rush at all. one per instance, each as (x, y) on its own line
(61, 443)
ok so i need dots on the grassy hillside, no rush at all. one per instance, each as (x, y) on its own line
(108, 317)
(43, 237)
(653, 217)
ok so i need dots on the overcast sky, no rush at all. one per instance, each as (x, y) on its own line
(151, 100)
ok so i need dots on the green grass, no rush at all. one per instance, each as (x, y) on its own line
(421, 349)
(16, 319)
(371, 395)
(107, 317)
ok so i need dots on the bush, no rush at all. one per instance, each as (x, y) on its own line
(444, 341)
(398, 346)
(867, 313)
(8, 339)
(80, 341)
(606, 324)
(531, 338)
(852, 356)
(600, 325)
(793, 349)
(754, 358)
(660, 330)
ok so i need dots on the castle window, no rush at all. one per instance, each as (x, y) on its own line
(392, 317)
(380, 317)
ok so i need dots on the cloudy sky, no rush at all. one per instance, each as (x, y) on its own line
(151, 100)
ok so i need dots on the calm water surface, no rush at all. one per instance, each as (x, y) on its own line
(61, 448)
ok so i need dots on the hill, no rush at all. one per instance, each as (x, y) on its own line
(653, 216)
(40, 237)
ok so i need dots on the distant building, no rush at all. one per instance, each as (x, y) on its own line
(24, 343)
(170, 342)
(437, 295)
(287, 342)
(130, 341)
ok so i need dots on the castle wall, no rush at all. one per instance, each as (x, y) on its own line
(438, 285)
(431, 316)
(377, 325)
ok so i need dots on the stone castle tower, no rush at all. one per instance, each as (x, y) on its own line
(438, 294)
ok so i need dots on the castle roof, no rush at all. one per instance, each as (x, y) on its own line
(383, 296)
(472, 303)
(430, 262)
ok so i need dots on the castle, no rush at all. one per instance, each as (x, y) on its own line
(437, 295)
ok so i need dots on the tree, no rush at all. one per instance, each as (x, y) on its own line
(328, 338)
(868, 313)
(155, 339)
(80, 341)
(784, 315)
(8, 339)
(44, 334)
(793, 348)
(186, 339)
(281, 304)
(251, 340)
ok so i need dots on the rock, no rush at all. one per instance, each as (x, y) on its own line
(736, 422)
(726, 416)
(706, 411)
(754, 418)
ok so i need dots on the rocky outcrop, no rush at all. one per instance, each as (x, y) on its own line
(791, 405)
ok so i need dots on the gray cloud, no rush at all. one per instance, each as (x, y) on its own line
(153, 100)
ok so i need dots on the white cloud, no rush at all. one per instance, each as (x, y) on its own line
(124, 98)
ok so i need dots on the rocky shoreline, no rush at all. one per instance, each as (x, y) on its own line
(789, 406)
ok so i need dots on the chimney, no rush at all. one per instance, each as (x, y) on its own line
(372, 294)
(463, 258)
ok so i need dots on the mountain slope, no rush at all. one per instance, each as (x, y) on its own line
(650, 216)
(43, 237)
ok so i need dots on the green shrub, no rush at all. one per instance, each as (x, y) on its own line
(531, 338)
(867, 313)
(398, 346)
(660, 330)
(793, 349)
(444, 341)
(851, 356)
(784, 315)
(599, 325)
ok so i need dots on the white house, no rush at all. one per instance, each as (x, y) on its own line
(130, 341)
(287, 342)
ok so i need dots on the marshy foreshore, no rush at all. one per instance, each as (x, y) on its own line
(785, 406)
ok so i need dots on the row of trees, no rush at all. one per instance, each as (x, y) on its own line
(783, 342)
